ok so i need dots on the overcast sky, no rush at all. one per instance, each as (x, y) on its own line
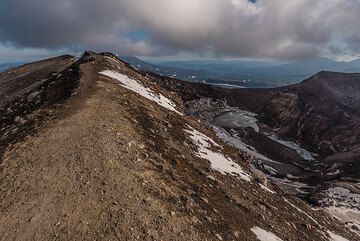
(279, 29)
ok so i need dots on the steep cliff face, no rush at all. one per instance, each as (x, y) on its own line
(111, 154)
(322, 111)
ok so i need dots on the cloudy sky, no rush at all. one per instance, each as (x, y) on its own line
(275, 29)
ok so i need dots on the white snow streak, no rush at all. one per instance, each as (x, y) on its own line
(264, 235)
(349, 216)
(335, 237)
(267, 189)
(217, 160)
(236, 142)
(301, 211)
(306, 155)
(138, 88)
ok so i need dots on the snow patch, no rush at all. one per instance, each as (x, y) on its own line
(217, 160)
(264, 235)
(267, 189)
(301, 211)
(138, 88)
(349, 216)
(290, 186)
(306, 155)
(236, 142)
(336, 172)
(341, 196)
(335, 237)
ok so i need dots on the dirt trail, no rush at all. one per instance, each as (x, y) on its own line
(81, 177)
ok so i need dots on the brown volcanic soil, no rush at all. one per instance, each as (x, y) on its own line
(107, 164)
(24, 91)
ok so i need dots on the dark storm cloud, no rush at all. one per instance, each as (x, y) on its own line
(240, 28)
(43, 23)
(56, 24)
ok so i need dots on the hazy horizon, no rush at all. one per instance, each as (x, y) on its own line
(28, 57)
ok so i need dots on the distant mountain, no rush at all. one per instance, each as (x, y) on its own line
(264, 74)
(170, 71)
(219, 64)
(204, 72)
(6, 66)
(296, 71)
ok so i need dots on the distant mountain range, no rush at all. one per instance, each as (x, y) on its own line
(237, 73)
(6, 66)
(248, 74)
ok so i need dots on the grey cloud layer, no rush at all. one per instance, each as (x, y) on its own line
(268, 28)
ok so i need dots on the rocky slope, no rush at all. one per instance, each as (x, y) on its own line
(94, 149)
(305, 137)
(322, 112)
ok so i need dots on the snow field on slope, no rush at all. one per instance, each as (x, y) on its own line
(267, 189)
(264, 235)
(349, 216)
(306, 155)
(217, 160)
(335, 237)
(138, 88)
(236, 142)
